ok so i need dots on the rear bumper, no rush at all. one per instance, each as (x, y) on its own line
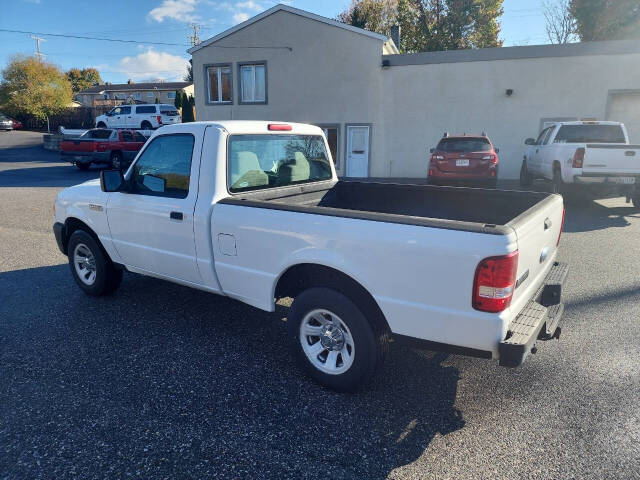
(618, 180)
(439, 176)
(538, 320)
(85, 157)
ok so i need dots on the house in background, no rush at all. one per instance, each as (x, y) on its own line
(112, 94)
(382, 111)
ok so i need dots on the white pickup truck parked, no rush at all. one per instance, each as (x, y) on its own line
(581, 154)
(254, 211)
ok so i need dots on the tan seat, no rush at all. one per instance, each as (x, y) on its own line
(300, 169)
(246, 169)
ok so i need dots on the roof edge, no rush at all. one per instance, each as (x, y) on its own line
(293, 10)
(611, 47)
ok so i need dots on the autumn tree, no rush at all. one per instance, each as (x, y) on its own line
(81, 79)
(34, 87)
(560, 24)
(428, 25)
(606, 19)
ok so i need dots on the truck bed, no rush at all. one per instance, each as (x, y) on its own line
(468, 209)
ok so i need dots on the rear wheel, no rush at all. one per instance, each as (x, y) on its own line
(83, 166)
(558, 184)
(636, 198)
(333, 341)
(146, 125)
(90, 266)
(492, 184)
(101, 125)
(525, 176)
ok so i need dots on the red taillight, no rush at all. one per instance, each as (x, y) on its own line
(492, 158)
(561, 227)
(160, 119)
(494, 283)
(578, 158)
(279, 127)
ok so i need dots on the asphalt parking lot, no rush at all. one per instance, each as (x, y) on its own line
(161, 381)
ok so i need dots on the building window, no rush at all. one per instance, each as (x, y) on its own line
(253, 83)
(138, 95)
(219, 81)
(331, 132)
(171, 95)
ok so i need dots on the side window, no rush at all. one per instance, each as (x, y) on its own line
(219, 82)
(548, 136)
(139, 137)
(127, 137)
(125, 110)
(543, 133)
(117, 111)
(164, 167)
(332, 139)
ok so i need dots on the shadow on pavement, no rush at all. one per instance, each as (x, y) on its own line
(49, 176)
(168, 381)
(587, 215)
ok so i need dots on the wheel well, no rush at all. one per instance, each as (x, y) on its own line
(556, 165)
(71, 225)
(307, 275)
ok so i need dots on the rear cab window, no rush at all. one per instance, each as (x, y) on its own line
(169, 111)
(146, 109)
(590, 134)
(274, 160)
(99, 134)
(464, 145)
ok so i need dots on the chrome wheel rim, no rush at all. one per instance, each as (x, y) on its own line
(116, 162)
(327, 342)
(85, 264)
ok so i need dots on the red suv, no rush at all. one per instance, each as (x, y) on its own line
(464, 158)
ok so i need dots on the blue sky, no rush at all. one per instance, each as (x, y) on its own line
(168, 21)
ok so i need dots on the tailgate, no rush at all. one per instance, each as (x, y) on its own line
(537, 232)
(77, 145)
(607, 159)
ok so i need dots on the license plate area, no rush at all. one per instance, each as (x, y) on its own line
(626, 180)
(462, 162)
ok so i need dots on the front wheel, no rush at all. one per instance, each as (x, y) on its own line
(146, 125)
(101, 125)
(525, 176)
(117, 161)
(90, 266)
(333, 341)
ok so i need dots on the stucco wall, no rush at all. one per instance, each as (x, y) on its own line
(330, 76)
(423, 101)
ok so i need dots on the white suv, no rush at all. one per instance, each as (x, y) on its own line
(146, 117)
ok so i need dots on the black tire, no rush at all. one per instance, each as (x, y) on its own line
(557, 185)
(491, 184)
(635, 199)
(370, 344)
(83, 166)
(146, 125)
(116, 160)
(107, 277)
(525, 177)
(101, 125)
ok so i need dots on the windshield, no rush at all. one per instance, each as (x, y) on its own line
(464, 145)
(590, 134)
(263, 161)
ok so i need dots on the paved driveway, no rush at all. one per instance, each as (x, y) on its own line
(160, 381)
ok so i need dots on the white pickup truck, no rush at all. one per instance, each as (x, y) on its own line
(584, 154)
(254, 211)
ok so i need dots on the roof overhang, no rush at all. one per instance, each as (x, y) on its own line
(295, 11)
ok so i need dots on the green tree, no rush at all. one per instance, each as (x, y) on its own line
(32, 87)
(428, 25)
(187, 109)
(83, 79)
(178, 100)
(606, 19)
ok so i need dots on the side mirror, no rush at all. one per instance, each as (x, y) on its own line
(431, 150)
(111, 180)
(496, 149)
(530, 141)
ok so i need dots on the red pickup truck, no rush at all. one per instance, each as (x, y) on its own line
(116, 148)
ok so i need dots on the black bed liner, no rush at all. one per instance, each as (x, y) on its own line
(455, 208)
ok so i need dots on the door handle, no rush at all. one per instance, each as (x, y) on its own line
(176, 216)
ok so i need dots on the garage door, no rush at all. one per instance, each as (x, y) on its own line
(625, 108)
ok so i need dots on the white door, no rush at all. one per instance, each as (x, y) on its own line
(357, 151)
(625, 108)
(152, 224)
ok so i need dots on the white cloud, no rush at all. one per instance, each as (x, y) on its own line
(181, 10)
(240, 17)
(153, 64)
(250, 5)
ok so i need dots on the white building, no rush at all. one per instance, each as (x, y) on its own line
(383, 111)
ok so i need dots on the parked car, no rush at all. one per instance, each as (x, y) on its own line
(594, 155)
(113, 147)
(464, 158)
(254, 211)
(17, 124)
(145, 117)
(5, 122)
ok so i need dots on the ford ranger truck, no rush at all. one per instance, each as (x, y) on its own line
(584, 155)
(253, 210)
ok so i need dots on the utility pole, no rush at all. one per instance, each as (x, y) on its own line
(38, 40)
(194, 39)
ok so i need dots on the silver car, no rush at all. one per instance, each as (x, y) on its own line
(5, 122)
